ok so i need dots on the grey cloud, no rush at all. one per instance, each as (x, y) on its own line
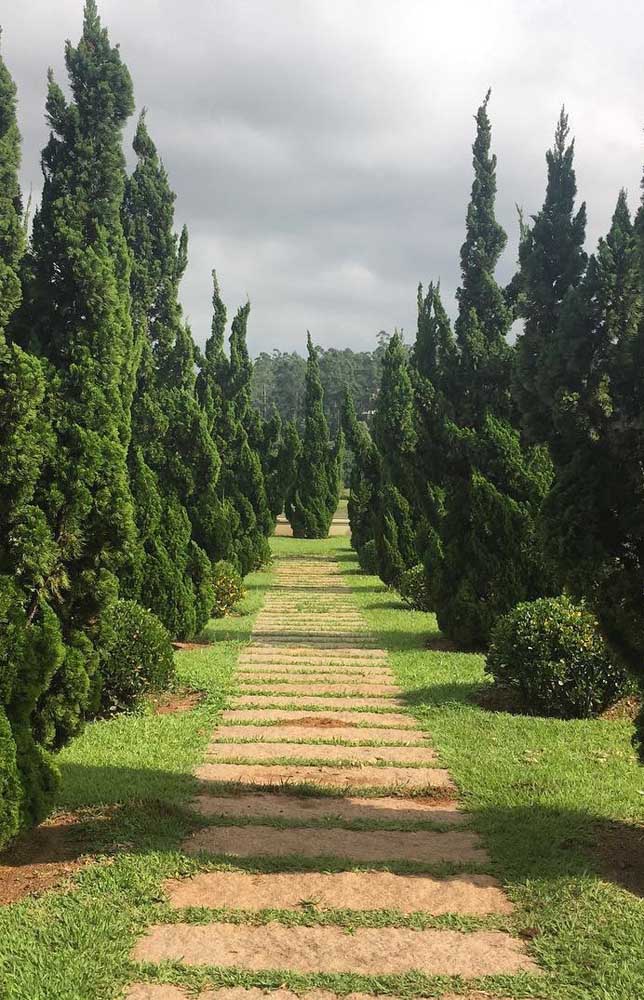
(320, 150)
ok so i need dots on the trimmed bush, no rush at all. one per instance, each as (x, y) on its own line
(228, 587)
(135, 655)
(414, 590)
(552, 653)
(368, 557)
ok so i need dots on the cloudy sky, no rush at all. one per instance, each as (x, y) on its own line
(320, 149)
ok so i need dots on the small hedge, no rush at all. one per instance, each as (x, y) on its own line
(135, 656)
(551, 652)
(414, 590)
(368, 557)
(228, 586)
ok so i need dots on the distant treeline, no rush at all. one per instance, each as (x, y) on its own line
(278, 379)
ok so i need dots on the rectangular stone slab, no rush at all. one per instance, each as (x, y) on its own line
(357, 719)
(422, 846)
(325, 734)
(367, 951)
(327, 687)
(165, 991)
(256, 752)
(296, 652)
(341, 671)
(307, 807)
(302, 703)
(467, 895)
(400, 779)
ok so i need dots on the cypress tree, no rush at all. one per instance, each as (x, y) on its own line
(76, 318)
(482, 556)
(272, 462)
(31, 648)
(552, 261)
(364, 483)
(395, 437)
(594, 517)
(315, 496)
(224, 390)
(171, 574)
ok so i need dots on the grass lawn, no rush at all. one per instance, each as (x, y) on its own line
(542, 793)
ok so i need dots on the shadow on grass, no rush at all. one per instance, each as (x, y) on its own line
(529, 842)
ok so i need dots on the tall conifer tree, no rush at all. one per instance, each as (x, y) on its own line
(595, 517)
(364, 482)
(314, 499)
(395, 437)
(224, 390)
(31, 647)
(76, 317)
(552, 261)
(484, 556)
(171, 574)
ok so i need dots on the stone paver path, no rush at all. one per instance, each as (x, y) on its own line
(317, 761)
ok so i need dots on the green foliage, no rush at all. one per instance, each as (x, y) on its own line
(31, 648)
(136, 656)
(228, 588)
(594, 514)
(223, 386)
(484, 489)
(552, 262)
(395, 437)
(164, 395)
(76, 318)
(364, 483)
(413, 589)
(314, 498)
(552, 653)
(279, 380)
(10, 790)
(368, 557)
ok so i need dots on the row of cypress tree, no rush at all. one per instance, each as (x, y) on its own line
(129, 462)
(514, 470)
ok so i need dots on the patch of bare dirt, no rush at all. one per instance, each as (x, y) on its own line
(367, 951)
(187, 646)
(620, 851)
(440, 644)
(43, 858)
(169, 702)
(332, 752)
(624, 710)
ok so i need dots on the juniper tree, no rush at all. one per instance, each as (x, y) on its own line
(224, 391)
(171, 573)
(552, 261)
(595, 512)
(364, 483)
(315, 496)
(483, 557)
(394, 434)
(31, 648)
(76, 318)
(271, 456)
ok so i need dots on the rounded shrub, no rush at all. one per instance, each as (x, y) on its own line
(368, 557)
(135, 655)
(414, 590)
(228, 586)
(551, 652)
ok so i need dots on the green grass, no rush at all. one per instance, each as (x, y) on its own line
(539, 792)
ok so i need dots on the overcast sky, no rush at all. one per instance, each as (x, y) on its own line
(320, 149)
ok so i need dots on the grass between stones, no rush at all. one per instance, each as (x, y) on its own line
(540, 792)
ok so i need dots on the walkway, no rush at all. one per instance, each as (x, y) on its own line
(335, 815)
